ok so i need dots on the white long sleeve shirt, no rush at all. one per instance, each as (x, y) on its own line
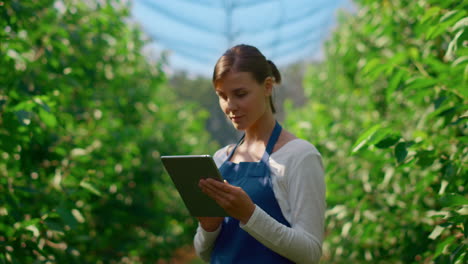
(298, 184)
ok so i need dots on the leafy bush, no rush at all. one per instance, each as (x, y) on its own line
(84, 117)
(387, 109)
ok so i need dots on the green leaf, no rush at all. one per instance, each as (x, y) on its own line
(465, 227)
(25, 105)
(425, 158)
(457, 254)
(29, 222)
(374, 68)
(67, 217)
(436, 64)
(393, 85)
(370, 65)
(48, 118)
(446, 21)
(90, 188)
(61, 151)
(381, 134)
(439, 101)
(388, 141)
(439, 111)
(430, 13)
(401, 152)
(442, 246)
(364, 138)
(54, 225)
(453, 199)
(43, 102)
(449, 170)
(448, 15)
(2, 103)
(420, 83)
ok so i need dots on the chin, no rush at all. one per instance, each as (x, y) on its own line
(238, 126)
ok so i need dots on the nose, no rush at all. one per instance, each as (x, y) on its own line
(231, 105)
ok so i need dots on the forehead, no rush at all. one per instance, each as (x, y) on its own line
(234, 80)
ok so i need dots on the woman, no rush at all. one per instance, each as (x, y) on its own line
(274, 188)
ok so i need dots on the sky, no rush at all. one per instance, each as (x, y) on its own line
(195, 33)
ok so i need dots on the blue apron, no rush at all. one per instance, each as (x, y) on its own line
(233, 244)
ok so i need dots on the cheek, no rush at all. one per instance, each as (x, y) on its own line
(222, 104)
(256, 101)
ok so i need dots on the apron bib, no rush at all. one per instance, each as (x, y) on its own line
(233, 244)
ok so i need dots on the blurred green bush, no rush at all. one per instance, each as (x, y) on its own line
(388, 110)
(84, 116)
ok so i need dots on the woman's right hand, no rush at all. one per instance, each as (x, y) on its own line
(210, 224)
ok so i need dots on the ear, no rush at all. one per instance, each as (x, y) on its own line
(268, 85)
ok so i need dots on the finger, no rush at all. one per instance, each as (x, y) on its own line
(206, 185)
(221, 191)
(225, 186)
(214, 191)
(206, 182)
(211, 190)
(225, 200)
(213, 181)
(212, 185)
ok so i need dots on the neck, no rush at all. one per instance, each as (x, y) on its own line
(261, 130)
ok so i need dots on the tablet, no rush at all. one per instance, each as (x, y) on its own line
(186, 172)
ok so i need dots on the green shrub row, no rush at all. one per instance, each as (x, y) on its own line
(388, 110)
(84, 117)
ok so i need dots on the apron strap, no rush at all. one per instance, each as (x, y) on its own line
(271, 142)
(273, 138)
(235, 147)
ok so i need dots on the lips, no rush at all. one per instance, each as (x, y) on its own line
(236, 118)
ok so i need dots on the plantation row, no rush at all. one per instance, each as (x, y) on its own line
(388, 110)
(84, 117)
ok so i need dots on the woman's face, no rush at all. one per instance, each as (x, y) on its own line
(242, 99)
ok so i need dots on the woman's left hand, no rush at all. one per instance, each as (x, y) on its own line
(234, 200)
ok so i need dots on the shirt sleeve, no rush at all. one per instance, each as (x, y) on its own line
(204, 242)
(302, 242)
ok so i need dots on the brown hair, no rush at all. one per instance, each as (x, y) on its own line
(245, 58)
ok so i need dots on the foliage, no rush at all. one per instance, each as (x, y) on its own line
(84, 117)
(388, 111)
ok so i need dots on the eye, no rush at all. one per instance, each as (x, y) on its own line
(241, 94)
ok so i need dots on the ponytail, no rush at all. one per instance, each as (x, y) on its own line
(277, 79)
(275, 72)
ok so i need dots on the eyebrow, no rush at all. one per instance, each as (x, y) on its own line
(239, 89)
(234, 91)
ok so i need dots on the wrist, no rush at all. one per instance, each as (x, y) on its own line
(210, 227)
(246, 219)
